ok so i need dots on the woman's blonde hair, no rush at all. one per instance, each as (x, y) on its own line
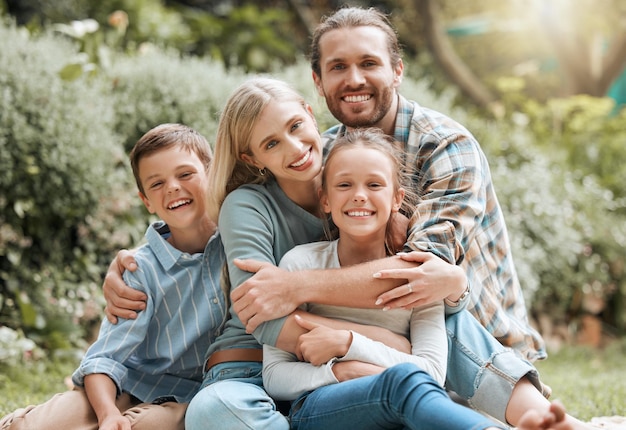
(228, 171)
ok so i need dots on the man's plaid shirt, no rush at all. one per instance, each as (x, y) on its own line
(459, 219)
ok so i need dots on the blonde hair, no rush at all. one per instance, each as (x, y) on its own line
(239, 116)
(374, 138)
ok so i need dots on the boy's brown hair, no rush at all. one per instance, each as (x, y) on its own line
(166, 136)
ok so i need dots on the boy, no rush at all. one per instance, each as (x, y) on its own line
(141, 373)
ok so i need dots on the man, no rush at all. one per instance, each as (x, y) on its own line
(357, 68)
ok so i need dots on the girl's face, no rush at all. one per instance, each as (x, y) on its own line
(360, 192)
(285, 141)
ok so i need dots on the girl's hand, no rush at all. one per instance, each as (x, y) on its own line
(321, 343)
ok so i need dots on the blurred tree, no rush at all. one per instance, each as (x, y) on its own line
(574, 50)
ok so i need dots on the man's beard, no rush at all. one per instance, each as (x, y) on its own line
(352, 120)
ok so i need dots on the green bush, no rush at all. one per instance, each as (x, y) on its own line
(158, 87)
(68, 201)
(60, 159)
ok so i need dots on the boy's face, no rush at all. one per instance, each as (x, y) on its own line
(357, 78)
(175, 185)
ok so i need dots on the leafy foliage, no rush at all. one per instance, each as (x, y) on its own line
(68, 201)
(60, 157)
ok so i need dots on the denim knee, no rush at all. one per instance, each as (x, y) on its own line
(234, 405)
(480, 369)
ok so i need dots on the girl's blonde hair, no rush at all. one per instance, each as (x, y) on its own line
(228, 171)
(374, 138)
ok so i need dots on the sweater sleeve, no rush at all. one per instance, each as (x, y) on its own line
(286, 378)
(428, 341)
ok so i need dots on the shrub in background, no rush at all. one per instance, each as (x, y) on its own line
(156, 87)
(68, 201)
(60, 159)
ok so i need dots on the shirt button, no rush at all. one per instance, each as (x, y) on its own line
(215, 300)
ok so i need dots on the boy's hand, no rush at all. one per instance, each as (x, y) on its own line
(115, 422)
(122, 301)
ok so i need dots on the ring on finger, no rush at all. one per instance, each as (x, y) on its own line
(410, 288)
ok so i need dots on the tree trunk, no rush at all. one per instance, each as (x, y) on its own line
(584, 74)
(447, 58)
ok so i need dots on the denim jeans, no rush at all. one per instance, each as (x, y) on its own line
(481, 370)
(401, 397)
(232, 397)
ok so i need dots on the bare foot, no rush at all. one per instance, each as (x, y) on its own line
(555, 419)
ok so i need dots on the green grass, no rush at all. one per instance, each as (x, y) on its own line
(33, 383)
(590, 382)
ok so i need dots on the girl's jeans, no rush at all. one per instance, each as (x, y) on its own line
(402, 397)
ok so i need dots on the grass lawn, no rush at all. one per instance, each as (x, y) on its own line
(589, 382)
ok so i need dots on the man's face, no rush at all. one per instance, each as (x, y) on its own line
(357, 78)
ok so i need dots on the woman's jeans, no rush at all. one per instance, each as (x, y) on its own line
(480, 370)
(232, 398)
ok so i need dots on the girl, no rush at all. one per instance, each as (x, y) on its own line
(362, 187)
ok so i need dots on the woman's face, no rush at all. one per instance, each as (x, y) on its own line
(285, 141)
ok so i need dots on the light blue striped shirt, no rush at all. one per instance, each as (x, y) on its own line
(160, 354)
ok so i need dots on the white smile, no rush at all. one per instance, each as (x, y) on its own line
(359, 213)
(179, 203)
(357, 99)
(303, 160)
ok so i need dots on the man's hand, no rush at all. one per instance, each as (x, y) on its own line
(263, 297)
(432, 280)
(122, 301)
(321, 343)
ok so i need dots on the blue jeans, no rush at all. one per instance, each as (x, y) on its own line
(402, 397)
(232, 397)
(481, 370)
